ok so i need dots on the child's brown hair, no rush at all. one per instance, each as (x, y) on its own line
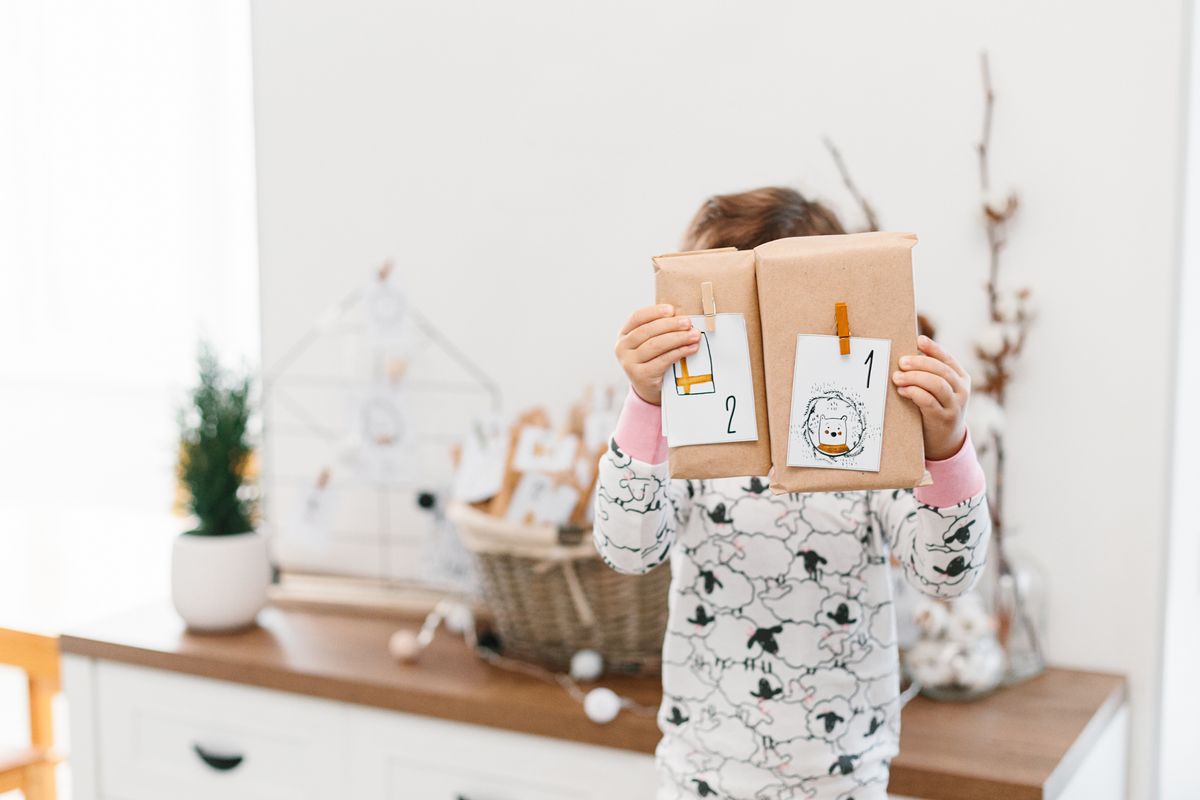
(747, 219)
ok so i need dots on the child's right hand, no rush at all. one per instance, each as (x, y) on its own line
(649, 343)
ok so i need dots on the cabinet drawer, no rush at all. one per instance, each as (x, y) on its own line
(170, 735)
(404, 757)
(405, 779)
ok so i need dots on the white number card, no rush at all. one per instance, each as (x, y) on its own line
(838, 403)
(541, 500)
(544, 450)
(708, 397)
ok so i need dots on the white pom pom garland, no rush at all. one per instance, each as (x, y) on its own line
(459, 618)
(403, 646)
(587, 666)
(601, 705)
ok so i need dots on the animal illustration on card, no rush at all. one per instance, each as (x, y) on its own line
(838, 403)
(543, 450)
(381, 436)
(831, 435)
(833, 424)
(382, 421)
(541, 500)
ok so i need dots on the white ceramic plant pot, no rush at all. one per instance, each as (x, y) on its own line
(219, 583)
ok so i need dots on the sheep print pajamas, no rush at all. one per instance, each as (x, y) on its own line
(781, 676)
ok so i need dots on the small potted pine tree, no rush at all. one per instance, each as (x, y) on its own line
(220, 570)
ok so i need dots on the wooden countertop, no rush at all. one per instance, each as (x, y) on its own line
(1024, 742)
(346, 658)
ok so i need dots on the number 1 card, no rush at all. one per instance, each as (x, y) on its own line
(708, 397)
(838, 403)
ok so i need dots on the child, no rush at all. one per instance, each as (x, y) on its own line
(780, 669)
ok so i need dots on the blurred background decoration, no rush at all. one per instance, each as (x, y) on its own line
(220, 568)
(364, 409)
(998, 623)
(1001, 644)
(1016, 591)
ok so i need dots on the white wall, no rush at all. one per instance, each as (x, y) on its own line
(1180, 740)
(524, 160)
(126, 234)
(126, 231)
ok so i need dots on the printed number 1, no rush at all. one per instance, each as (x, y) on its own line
(730, 406)
(870, 362)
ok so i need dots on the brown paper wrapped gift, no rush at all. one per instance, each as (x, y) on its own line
(677, 281)
(800, 281)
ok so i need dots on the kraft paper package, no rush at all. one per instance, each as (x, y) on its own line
(678, 279)
(800, 282)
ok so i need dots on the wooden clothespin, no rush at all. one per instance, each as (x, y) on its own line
(395, 369)
(843, 327)
(709, 305)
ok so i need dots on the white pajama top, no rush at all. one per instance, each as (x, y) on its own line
(780, 667)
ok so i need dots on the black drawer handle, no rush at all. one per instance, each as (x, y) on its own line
(219, 763)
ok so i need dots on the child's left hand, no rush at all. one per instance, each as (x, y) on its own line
(940, 388)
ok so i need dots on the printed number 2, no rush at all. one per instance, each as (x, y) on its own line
(730, 406)
(870, 362)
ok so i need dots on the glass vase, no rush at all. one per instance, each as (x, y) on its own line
(956, 654)
(1018, 602)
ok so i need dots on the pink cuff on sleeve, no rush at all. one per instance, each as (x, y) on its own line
(955, 479)
(639, 430)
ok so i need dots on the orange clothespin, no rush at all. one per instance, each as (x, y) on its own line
(843, 327)
(709, 305)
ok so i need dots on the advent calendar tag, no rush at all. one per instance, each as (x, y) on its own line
(543, 450)
(708, 397)
(480, 471)
(541, 500)
(838, 403)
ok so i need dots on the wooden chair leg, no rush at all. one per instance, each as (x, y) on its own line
(41, 713)
(11, 780)
(39, 782)
(40, 777)
(31, 769)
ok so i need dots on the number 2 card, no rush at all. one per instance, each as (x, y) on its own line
(708, 397)
(838, 403)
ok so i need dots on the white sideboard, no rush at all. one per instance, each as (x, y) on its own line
(310, 705)
(146, 734)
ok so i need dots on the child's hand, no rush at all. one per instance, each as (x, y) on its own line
(649, 343)
(940, 388)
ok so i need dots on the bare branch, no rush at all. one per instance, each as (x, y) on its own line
(867, 209)
(985, 138)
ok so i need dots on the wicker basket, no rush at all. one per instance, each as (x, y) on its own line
(550, 595)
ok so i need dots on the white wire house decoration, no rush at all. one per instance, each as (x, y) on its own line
(360, 416)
